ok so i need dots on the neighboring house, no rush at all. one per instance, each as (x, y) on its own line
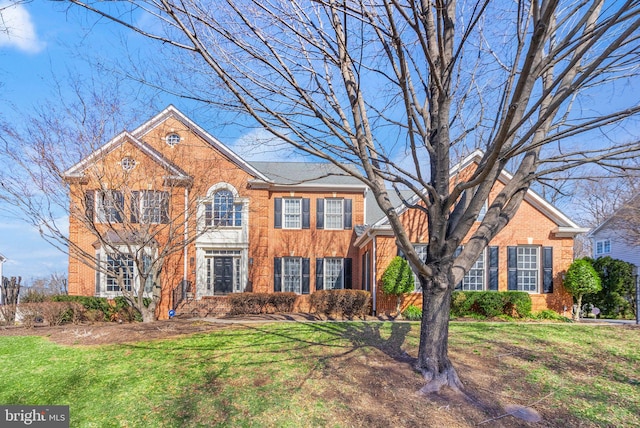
(611, 237)
(279, 226)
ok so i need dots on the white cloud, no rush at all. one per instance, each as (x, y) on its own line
(260, 145)
(17, 29)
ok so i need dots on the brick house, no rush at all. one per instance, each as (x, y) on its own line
(271, 226)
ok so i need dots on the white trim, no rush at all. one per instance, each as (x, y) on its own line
(172, 111)
(310, 187)
(78, 169)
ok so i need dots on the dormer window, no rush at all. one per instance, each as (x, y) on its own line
(173, 139)
(128, 163)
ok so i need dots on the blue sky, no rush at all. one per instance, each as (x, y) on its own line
(45, 45)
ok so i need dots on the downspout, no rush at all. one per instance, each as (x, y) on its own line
(373, 265)
(186, 234)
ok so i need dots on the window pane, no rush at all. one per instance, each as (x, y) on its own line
(223, 208)
(109, 207)
(119, 265)
(474, 279)
(333, 214)
(292, 275)
(333, 278)
(292, 213)
(422, 253)
(151, 204)
(528, 269)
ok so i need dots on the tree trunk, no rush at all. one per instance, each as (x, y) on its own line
(433, 358)
(576, 314)
(148, 313)
(398, 304)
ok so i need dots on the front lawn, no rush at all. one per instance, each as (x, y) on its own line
(332, 374)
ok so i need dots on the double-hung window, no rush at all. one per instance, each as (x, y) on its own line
(292, 274)
(528, 268)
(333, 274)
(421, 249)
(153, 207)
(109, 206)
(292, 212)
(333, 214)
(474, 279)
(603, 247)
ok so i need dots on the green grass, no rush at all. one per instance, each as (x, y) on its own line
(284, 374)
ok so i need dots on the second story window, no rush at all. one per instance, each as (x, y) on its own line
(334, 214)
(292, 213)
(109, 206)
(223, 211)
(154, 206)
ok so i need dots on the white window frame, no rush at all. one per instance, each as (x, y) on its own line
(528, 271)
(232, 210)
(292, 274)
(334, 214)
(421, 249)
(333, 275)
(291, 213)
(476, 278)
(151, 206)
(173, 139)
(106, 207)
(603, 246)
(108, 283)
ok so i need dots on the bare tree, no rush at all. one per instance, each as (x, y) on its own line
(401, 89)
(68, 179)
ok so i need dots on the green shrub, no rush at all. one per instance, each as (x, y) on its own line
(412, 313)
(490, 304)
(397, 280)
(342, 303)
(282, 302)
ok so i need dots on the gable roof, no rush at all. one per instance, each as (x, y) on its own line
(77, 171)
(565, 226)
(136, 138)
(632, 204)
(172, 112)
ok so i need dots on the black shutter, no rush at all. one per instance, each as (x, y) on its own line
(277, 274)
(512, 268)
(348, 217)
(89, 201)
(320, 213)
(305, 213)
(547, 269)
(164, 214)
(278, 213)
(305, 275)
(135, 206)
(348, 280)
(118, 198)
(319, 274)
(493, 268)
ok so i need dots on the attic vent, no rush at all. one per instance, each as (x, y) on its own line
(128, 163)
(172, 139)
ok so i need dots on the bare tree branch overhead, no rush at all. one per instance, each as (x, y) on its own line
(396, 92)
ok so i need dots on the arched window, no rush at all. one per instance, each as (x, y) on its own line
(223, 211)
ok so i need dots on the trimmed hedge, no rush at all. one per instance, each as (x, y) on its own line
(490, 303)
(412, 313)
(261, 303)
(342, 303)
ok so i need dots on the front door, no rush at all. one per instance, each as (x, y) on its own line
(223, 275)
